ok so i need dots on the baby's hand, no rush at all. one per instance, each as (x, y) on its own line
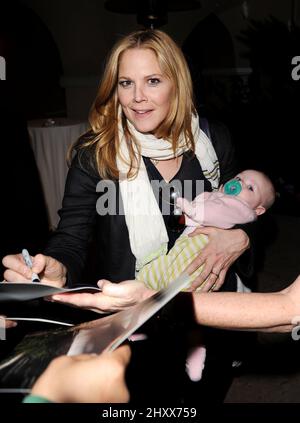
(184, 205)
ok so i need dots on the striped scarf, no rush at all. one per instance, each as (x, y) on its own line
(147, 232)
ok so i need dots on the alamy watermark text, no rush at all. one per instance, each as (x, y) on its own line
(2, 68)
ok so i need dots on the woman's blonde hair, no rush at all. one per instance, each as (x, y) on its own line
(103, 116)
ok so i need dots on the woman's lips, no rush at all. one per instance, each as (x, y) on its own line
(140, 114)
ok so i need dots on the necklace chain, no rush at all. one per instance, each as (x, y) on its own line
(155, 162)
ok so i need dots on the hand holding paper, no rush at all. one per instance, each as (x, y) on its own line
(114, 296)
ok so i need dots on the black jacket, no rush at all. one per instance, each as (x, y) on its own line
(157, 367)
(80, 225)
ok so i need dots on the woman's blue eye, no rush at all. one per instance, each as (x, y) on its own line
(153, 81)
(125, 84)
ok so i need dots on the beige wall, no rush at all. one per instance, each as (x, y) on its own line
(83, 51)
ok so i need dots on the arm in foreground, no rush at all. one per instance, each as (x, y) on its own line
(264, 312)
(271, 312)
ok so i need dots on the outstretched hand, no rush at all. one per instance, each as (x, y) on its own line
(223, 248)
(114, 296)
(86, 378)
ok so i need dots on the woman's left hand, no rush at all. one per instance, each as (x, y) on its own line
(223, 248)
(114, 296)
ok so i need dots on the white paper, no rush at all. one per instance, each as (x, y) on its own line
(21, 368)
(25, 291)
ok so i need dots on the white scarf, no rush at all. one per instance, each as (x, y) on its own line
(147, 232)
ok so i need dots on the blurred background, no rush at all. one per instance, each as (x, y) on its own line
(240, 55)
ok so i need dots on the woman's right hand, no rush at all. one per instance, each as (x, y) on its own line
(50, 271)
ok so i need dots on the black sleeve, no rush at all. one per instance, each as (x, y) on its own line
(225, 151)
(245, 264)
(69, 243)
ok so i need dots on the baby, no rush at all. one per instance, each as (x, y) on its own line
(240, 200)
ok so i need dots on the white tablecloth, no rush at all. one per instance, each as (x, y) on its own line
(50, 145)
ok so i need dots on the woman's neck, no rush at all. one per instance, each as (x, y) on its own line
(168, 168)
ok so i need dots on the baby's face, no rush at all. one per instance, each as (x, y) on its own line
(253, 188)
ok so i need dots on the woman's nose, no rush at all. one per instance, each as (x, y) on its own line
(139, 94)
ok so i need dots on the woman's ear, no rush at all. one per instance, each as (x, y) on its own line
(260, 210)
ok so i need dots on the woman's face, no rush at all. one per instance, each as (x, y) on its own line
(143, 91)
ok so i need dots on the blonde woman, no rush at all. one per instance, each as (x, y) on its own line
(144, 130)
